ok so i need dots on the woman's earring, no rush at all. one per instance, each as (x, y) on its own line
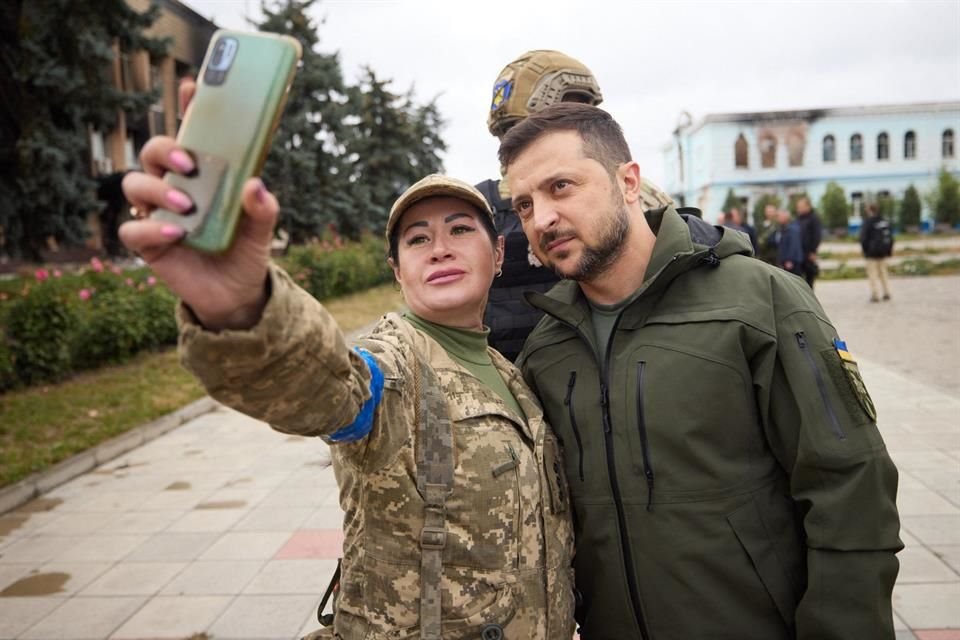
(498, 273)
(397, 286)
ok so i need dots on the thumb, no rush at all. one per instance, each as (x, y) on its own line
(262, 209)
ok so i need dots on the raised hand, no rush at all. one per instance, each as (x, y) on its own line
(225, 291)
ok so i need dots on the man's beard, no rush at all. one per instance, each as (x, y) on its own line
(596, 259)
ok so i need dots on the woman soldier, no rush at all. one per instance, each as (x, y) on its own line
(456, 522)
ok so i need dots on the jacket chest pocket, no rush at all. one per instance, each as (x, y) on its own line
(494, 482)
(691, 423)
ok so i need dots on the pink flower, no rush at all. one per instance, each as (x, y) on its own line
(151, 281)
(84, 294)
(95, 264)
(41, 274)
(117, 271)
(129, 282)
(57, 273)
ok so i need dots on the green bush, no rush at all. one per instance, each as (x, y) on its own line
(39, 326)
(327, 271)
(112, 328)
(8, 375)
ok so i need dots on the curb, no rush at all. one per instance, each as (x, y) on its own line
(41, 482)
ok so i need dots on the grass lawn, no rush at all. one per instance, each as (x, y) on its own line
(40, 426)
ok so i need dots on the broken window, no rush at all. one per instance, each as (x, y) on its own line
(768, 150)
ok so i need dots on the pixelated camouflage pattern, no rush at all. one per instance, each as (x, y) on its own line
(509, 544)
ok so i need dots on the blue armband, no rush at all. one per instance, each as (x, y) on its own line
(363, 423)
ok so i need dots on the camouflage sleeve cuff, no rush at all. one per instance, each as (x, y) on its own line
(293, 369)
(363, 423)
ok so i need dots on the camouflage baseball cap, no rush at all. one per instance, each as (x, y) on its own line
(533, 82)
(432, 186)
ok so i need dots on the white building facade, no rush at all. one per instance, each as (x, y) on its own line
(869, 151)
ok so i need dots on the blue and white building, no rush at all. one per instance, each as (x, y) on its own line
(869, 151)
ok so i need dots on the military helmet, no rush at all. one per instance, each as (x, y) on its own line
(533, 82)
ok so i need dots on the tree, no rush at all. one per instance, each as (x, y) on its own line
(761, 205)
(793, 199)
(305, 167)
(731, 201)
(834, 207)
(56, 85)
(395, 142)
(947, 199)
(910, 209)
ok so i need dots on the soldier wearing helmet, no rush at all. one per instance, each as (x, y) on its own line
(531, 83)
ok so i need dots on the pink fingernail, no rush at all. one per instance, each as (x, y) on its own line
(261, 193)
(172, 231)
(182, 161)
(178, 200)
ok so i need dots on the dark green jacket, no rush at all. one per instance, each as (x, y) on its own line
(728, 477)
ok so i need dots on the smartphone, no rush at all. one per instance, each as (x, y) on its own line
(241, 90)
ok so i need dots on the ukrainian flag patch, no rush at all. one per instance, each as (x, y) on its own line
(842, 351)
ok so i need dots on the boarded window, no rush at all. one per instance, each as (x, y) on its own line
(796, 143)
(740, 152)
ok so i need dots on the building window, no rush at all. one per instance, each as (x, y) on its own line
(947, 145)
(740, 152)
(768, 150)
(910, 145)
(856, 148)
(883, 146)
(856, 203)
(796, 143)
(829, 149)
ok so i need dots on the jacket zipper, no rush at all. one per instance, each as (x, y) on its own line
(642, 426)
(516, 493)
(821, 386)
(568, 401)
(615, 487)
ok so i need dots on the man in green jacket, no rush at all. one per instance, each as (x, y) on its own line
(728, 477)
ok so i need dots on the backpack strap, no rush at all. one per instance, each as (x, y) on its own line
(434, 482)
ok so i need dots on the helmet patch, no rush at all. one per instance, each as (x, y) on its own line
(501, 93)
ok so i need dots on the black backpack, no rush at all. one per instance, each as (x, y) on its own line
(879, 240)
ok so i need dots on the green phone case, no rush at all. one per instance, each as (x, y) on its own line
(228, 128)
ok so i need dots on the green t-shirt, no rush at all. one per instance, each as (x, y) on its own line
(469, 349)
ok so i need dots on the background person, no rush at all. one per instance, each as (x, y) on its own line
(876, 240)
(455, 516)
(811, 232)
(767, 236)
(724, 463)
(789, 242)
(532, 82)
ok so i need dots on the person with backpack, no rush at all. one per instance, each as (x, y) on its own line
(456, 515)
(876, 240)
(531, 83)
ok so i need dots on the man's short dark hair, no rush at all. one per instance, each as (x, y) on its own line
(602, 137)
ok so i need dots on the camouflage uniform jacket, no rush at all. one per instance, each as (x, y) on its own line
(509, 547)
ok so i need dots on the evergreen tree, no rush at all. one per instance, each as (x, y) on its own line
(305, 167)
(947, 199)
(395, 142)
(761, 205)
(731, 201)
(910, 209)
(56, 84)
(834, 207)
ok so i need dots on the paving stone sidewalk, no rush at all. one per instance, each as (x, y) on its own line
(226, 528)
